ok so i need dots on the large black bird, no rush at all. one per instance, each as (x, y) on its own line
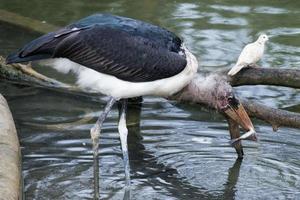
(117, 56)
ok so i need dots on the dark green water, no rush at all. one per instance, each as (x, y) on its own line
(175, 152)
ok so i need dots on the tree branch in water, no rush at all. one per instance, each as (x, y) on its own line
(266, 76)
(273, 116)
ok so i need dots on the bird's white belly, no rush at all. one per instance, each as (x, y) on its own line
(110, 85)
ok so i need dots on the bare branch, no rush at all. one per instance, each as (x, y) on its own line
(273, 116)
(266, 76)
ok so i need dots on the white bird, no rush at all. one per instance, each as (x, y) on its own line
(251, 54)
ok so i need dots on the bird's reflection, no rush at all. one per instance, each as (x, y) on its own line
(146, 166)
(233, 175)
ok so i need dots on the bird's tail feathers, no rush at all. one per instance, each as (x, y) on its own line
(234, 70)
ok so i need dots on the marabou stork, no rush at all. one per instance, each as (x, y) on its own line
(121, 58)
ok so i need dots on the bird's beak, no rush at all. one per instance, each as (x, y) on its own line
(235, 110)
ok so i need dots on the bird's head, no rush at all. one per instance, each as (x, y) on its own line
(214, 91)
(263, 38)
(227, 103)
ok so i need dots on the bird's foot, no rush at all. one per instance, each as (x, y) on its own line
(253, 65)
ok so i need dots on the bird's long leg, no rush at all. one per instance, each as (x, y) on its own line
(123, 137)
(95, 134)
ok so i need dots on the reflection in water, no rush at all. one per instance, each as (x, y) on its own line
(233, 175)
(183, 190)
(176, 152)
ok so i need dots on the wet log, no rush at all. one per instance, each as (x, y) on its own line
(10, 156)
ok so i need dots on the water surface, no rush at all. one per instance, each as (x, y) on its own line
(176, 152)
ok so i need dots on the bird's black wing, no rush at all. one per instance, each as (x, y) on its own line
(124, 49)
(115, 52)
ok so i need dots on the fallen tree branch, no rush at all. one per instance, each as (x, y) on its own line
(273, 116)
(266, 76)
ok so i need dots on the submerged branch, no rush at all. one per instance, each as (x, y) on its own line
(266, 76)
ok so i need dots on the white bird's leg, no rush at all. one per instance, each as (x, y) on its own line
(123, 131)
(95, 134)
